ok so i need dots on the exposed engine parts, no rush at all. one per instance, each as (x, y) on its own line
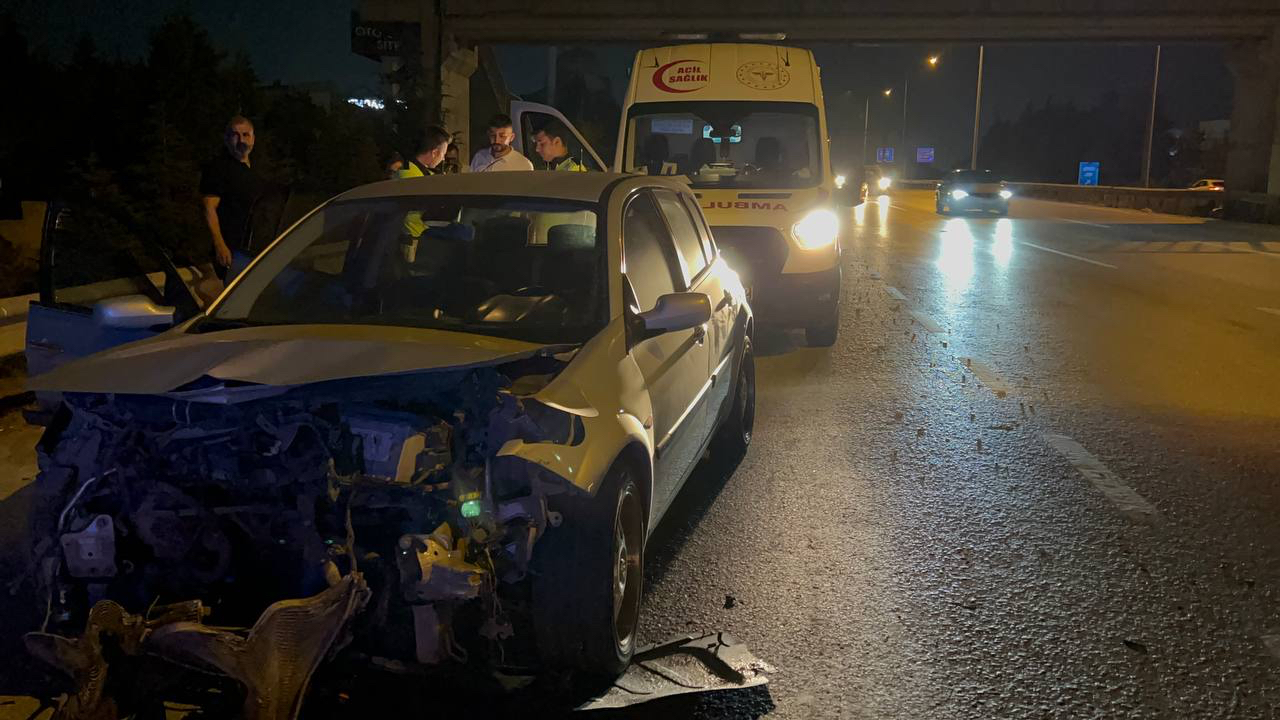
(338, 515)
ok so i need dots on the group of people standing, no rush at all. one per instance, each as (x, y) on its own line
(230, 186)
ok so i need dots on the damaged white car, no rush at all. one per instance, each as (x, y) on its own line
(433, 423)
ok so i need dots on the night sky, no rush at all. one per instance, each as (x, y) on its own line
(296, 41)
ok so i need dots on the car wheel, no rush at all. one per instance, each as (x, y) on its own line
(734, 434)
(588, 574)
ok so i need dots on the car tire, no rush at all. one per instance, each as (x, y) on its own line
(588, 576)
(733, 437)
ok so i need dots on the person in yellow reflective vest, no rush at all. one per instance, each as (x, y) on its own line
(549, 143)
(429, 149)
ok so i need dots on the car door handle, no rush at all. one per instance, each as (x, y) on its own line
(700, 334)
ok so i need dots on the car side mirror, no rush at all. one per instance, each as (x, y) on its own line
(131, 312)
(674, 312)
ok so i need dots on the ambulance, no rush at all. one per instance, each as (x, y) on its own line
(746, 126)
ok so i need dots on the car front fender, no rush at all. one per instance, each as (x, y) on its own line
(602, 386)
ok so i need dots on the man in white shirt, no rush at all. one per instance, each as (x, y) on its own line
(500, 155)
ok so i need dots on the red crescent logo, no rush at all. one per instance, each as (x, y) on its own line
(660, 82)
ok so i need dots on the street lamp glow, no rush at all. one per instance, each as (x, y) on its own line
(888, 92)
(933, 60)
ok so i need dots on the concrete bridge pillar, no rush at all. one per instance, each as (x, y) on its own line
(455, 97)
(1253, 155)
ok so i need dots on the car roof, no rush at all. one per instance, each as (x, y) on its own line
(582, 187)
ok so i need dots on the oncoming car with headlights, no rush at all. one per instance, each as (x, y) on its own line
(970, 190)
(433, 423)
(746, 125)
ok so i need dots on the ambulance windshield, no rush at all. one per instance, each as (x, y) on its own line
(731, 144)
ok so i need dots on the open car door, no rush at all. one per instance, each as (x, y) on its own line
(528, 118)
(100, 287)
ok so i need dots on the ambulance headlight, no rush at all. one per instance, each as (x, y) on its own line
(1006, 194)
(817, 230)
(959, 194)
(884, 183)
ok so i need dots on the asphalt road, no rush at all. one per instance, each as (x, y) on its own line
(1038, 476)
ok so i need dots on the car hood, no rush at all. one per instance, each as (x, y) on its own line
(976, 187)
(278, 355)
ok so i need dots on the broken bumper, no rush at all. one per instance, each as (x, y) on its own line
(273, 661)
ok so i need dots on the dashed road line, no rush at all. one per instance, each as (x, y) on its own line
(988, 377)
(1069, 255)
(895, 293)
(1273, 644)
(926, 322)
(1122, 496)
(1273, 311)
(1085, 222)
(1265, 253)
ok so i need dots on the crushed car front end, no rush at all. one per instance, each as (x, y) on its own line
(253, 531)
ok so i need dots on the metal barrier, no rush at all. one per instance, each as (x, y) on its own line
(1173, 201)
(1201, 203)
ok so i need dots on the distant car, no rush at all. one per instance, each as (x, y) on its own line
(436, 419)
(876, 181)
(969, 190)
(1209, 184)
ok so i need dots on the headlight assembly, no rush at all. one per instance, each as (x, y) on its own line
(817, 230)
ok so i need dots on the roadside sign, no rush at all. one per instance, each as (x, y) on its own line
(884, 155)
(376, 40)
(924, 155)
(1089, 172)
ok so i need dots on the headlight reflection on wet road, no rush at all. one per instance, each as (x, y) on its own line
(955, 258)
(1002, 246)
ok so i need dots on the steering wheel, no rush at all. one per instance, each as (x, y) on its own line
(531, 291)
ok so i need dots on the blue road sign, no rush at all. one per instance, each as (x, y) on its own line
(1089, 172)
(884, 155)
(924, 155)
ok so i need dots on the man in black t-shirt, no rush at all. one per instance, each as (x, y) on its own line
(229, 187)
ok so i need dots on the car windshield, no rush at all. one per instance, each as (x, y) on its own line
(726, 143)
(973, 176)
(527, 269)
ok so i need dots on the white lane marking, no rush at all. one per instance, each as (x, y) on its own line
(1066, 254)
(1122, 496)
(1084, 222)
(1273, 644)
(988, 377)
(1273, 311)
(895, 293)
(1264, 253)
(926, 322)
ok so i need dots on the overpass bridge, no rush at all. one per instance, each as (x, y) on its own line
(449, 31)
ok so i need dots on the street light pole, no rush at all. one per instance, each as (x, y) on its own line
(866, 127)
(905, 167)
(1151, 124)
(977, 111)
